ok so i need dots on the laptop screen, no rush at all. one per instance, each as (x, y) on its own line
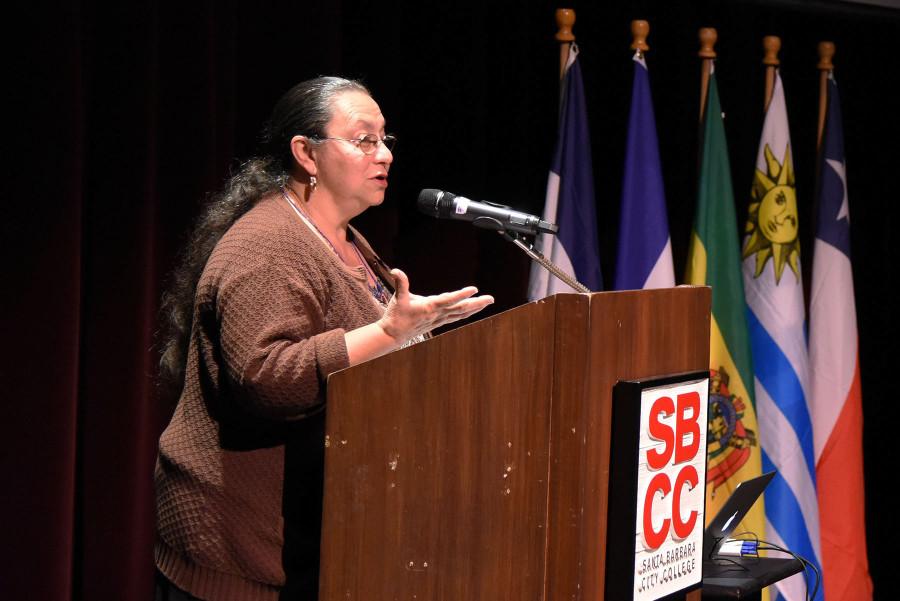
(732, 512)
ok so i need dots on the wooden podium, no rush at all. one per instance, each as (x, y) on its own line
(475, 465)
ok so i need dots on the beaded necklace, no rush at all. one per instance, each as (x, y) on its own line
(377, 289)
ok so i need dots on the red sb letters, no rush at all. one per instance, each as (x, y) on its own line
(673, 453)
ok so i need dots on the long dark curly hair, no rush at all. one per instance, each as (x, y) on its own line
(304, 110)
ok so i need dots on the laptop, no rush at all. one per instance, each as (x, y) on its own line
(732, 512)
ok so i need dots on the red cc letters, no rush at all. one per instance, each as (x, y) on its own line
(687, 416)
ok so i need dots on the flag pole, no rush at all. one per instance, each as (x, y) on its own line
(565, 19)
(707, 54)
(771, 44)
(825, 66)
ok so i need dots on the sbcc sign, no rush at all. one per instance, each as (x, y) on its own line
(664, 482)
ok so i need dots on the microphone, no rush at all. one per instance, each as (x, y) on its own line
(444, 205)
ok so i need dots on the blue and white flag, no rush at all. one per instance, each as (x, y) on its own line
(644, 258)
(776, 319)
(570, 200)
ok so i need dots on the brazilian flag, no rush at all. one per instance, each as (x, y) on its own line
(714, 259)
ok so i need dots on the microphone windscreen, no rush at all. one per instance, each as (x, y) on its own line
(436, 203)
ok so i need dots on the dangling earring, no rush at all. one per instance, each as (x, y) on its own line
(312, 182)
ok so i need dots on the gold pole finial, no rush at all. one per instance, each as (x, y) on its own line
(565, 19)
(825, 66)
(708, 37)
(771, 44)
(707, 54)
(639, 31)
(826, 53)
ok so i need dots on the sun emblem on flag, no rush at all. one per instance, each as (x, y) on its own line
(729, 441)
(772, 221)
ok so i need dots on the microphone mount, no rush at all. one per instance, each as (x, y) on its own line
(543, 261)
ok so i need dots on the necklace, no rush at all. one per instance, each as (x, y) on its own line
(378, 290)
(373, 282)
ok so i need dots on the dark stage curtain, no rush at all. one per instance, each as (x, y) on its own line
(126, 115)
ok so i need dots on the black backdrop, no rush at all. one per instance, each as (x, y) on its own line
(125, 116)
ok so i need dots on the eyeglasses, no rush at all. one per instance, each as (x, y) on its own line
(367, 143)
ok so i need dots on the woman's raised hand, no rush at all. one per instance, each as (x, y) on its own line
(409, 315)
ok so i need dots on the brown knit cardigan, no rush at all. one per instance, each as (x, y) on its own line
(238, 477)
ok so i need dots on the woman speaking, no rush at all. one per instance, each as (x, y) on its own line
(275, 292)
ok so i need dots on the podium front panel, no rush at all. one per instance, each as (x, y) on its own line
(437, 466)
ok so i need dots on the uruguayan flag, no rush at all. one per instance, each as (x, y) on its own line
(774, 290)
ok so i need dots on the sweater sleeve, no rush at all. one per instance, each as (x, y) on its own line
(274, 341)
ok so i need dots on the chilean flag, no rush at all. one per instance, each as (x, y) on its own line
(836, 400)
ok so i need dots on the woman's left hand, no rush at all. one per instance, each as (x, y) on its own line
(409, 315)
